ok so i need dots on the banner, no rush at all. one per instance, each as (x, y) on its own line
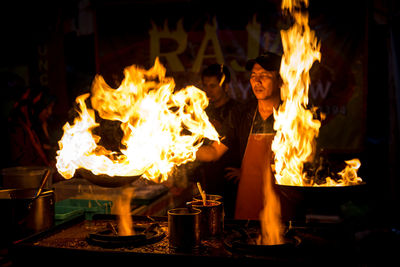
(188, 36)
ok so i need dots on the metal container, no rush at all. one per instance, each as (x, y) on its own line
(212, 218)
(25, 177)
(24, 214)
(184, 228)
(209, 197)
(218, 198)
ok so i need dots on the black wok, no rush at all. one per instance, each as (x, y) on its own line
(106, 180)
(297, 201)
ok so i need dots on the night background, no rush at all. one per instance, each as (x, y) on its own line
(62, 45)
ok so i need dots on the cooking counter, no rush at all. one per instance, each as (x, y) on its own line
(320, 240)
(148, 198)
(72, 241)
(321, 244)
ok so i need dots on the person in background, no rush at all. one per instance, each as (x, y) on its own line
(42, 111)
(217, 177)
(26, 148)
(215, 81)
(251, 130)
(12, 88)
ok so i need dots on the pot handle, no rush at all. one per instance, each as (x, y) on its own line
(44, 180)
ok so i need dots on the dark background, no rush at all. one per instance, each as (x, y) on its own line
(60, 44)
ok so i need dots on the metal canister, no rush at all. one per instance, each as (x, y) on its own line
(24, 214)
(184, 228)
(212, 218)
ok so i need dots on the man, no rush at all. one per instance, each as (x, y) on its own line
(215, 80)
(251, 129)
(212, 175)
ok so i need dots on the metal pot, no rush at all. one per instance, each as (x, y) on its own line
(184, 228)
(24, 214)
(25, 177)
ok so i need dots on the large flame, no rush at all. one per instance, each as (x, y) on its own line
(270, 216)
(123, 211)
(296, 127)
(162, 128)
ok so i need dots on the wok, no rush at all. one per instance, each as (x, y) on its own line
(320, 192)
(297, 201)
(106, 180)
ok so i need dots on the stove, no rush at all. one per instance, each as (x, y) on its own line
(95, 241)
(143, 234)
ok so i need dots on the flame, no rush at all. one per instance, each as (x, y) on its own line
(162, 128)
(349, 173)
(297, 129)
(123, 211)
(270, 216)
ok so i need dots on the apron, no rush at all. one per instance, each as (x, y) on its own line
(256, 162)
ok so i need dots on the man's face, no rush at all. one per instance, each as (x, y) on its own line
(214, 91)
(265, 84)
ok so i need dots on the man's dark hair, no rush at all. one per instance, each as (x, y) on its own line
(217, 70)
(269, 61)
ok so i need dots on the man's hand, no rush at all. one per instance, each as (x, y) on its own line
(233, 174)
(212, 152)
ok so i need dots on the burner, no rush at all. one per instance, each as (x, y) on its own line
(144, 234)
(244, 241)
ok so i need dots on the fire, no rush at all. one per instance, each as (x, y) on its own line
(296, 127)
(162, 128)
(123, 211)
(349, 174)
(270, 216)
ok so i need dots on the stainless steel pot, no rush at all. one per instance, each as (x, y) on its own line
(25, 177)
(24, 214)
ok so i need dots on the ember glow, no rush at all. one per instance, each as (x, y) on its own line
(297, 129)
(162, 128)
